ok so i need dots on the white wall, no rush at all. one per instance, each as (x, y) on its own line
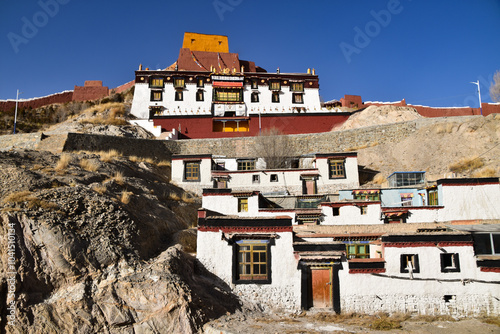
(423, 294)
(351, 215)
(192, 186)
(467, 202)
(284, 290)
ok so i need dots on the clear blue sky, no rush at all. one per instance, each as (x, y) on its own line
(427, 52)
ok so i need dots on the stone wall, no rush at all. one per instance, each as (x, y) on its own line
(28, 141)
(159, 149)
(9, 105)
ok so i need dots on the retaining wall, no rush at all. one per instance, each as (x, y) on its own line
(26, 141)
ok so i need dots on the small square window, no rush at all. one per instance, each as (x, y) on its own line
(276, 97)
(199, 95)
(336, 169)
(156, 95)
(192, 171)
(449, 263)
(336, 211)
(243, 204)
(156, 83)
(273, 178)
(275, 85)
(409, 263)
(254, 97)
(246, 164)
(296, 86)
(200, 83)
(179, 95)
(179, 83)
(363, 209)
(255, 178)
(297, 98)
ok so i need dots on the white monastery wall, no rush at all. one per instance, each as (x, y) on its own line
(351, 215)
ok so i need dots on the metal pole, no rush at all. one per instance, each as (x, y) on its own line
(15, 114)
(479, 93)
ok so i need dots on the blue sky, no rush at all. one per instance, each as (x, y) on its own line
(427, 52)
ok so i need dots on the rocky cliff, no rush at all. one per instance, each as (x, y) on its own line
(99, 245)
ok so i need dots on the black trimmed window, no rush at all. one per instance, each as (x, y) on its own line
(409, 263)
(200, 82)
(179, 95)
(179, 83)
(246, 164)
(199, 95)
(486, 243)
(254, 97)
(253, 263)
(336, 169)
(255, 84)
(363, 210)
(274, 85)
(296, 86)
(273, 178)
(275, 97)
(192, 171)
(242, 204)
(449, 263)
(256, 178)
(156, 95)
(297, 98)
(228, 95)
(156, 82)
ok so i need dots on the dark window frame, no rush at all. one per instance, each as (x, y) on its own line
(191, 175)
(254, 97)
(334, 173)
(275, 97)
(444, 259)
(275, 82)
(153, 85)
(155, 91)
(200, 82)
(254, 84)
(403, 263)
(245, 164)
(200, 96)
(179, 95)
(251, 278)
(295, 96)
(177, 83)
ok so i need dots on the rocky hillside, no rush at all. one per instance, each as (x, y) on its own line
(99, 243)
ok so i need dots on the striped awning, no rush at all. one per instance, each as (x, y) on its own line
(366, 192)
(227, 84)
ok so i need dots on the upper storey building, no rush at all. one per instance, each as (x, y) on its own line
(209, 93)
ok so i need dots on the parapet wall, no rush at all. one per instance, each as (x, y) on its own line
(10, 105)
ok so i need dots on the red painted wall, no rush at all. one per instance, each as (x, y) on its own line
(201, 127)
(10, 105)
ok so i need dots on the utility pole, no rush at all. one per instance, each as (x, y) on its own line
(15, 115)
(479, 93)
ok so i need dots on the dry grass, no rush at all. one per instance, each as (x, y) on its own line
(27, 197)
(187, 198)
(97, 114)
(485, 172)
(108, 156)
(125, 197)
(174, 197)
(63, 162)
(134, 158)
(444, 128)
(164, 163)
(491, 320)
(100, 189)
(432, 318)
(466, 164)
(89, 165)
(379, 179)
(117, 178)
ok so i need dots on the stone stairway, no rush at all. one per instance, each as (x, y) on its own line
(53, 143)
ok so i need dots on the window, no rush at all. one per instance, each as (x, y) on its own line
(179, 83)
(363, 209)
(200, 83)
(255, 178)
(253, 261)
(296, 86)
(227, 95)
(336, 169)
(409, 263)
(367, 195)
(486, 243)
(275, 85)
(336, 211)
(450, 263)
(273, 178)
(192, 171)
(406, 199)
(246, 164)
(156, 95)
(255, 84)
(297, 98)
(243, 204)
(254, 97)
(276, 97)
(199, 95)
(156, 83)
(179, 95)
(433, 197)
(358, 251)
